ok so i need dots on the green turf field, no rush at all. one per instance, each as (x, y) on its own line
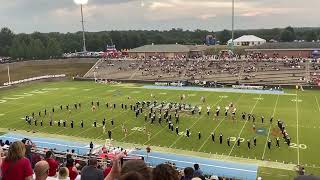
(301, 114)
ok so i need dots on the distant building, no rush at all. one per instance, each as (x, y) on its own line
(167, 51)
(247, 40)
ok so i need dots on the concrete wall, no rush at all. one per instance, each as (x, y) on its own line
(284, 53)
(168, 55)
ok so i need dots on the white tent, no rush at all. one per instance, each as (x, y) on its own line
(247, 40)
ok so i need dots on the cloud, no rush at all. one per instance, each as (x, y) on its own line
(64, 15)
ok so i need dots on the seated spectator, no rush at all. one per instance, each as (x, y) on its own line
(91, 172)
(107, 170)
(63, 174)
(132, 176)
(188, 173)
(28, 145)
(41, 170)
(53, 164)
(137, 166)
(15, 165)
(164, 172)
(73, 173)
(214, 177)
(2, 156)
(134, 169)
(197, 171)
(7, 143)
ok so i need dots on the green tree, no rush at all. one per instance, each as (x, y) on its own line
(288, 35)
(310, 36)
(224, 36)
(6, 37)
(53, 48)
(36, 50)
(18, 49)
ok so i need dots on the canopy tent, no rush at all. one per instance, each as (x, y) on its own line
(247, 40)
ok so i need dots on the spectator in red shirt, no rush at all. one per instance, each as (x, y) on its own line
(73, 173)
(15, 165)
(107, 170)
(53, 164)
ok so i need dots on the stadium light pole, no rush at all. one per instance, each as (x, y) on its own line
(232, 27)
(81, 3)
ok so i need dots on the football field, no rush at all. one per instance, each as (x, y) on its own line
(300, 111)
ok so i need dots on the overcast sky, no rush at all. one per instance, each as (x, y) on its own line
(64, 15)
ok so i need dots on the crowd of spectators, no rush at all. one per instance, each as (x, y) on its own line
(20, 161)
(247, 69)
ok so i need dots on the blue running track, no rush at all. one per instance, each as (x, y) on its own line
(50, 143)
(252, 91)
(208, 166)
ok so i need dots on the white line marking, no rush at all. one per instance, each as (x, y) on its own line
(210, 165)
(205, 142)
(297, 111)
(159, 130)
(113, 117)
(45, 142)
(191, 126)
(155, 135)
(265, 146)
(317, 103)
(132, 132)
(244, 126)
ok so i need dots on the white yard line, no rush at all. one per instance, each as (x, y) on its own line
(265, 146)
(160, 129)
(317, 102)
(113, 117)
(244, 125)
(216, 127)
(155, 135)
(192, 126)
(131, 133)
(124, 111)
(144, 123)
(297, 111)
(164, 129)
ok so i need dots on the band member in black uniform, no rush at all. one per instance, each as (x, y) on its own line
(212, 137)
(220, 138)
(109, 134)
(71, 124)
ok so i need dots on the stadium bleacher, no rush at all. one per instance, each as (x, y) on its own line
(276, 72)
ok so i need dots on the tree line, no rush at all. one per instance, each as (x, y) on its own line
(52, 45)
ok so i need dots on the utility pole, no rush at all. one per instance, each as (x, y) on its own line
(9, 74)
(232, 28)
(83, 33)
